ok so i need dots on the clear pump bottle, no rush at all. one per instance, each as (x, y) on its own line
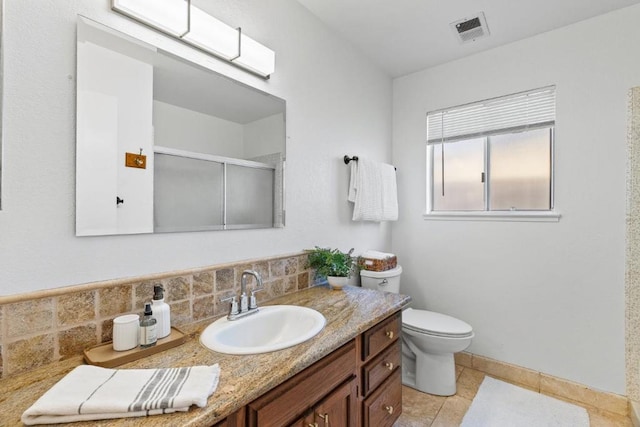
(148, 336)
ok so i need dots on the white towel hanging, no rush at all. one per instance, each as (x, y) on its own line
(374, 191)
(352, 181)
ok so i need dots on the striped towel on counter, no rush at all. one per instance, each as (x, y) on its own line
(94, 393)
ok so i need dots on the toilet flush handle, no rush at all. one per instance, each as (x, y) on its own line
(384, 282)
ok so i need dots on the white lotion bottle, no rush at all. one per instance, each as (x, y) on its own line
(161, 312)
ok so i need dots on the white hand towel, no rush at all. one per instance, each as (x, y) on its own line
(368, 203)
(375, 192)
(94, 393)
(352, 181)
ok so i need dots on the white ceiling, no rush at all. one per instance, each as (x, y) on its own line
(404, 36)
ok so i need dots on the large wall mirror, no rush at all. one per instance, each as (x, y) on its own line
(164, 144)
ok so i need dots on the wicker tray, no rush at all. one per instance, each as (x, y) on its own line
(104, 355)
(372, 264)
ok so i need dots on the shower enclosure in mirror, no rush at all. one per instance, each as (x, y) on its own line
(213, 148)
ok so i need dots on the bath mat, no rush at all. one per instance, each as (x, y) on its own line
(500, 404)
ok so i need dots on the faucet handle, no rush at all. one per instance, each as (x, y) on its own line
(252, 300)
(234, 304)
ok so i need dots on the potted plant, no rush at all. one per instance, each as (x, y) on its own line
(333, 264)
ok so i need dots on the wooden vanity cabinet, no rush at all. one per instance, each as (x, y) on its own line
(381, 367)
(339, 408)
(380, 373)
(381, 336)
(383, 407)
(237, 419)
(327, 387)
(357, 385)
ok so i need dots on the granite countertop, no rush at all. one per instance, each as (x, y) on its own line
(349, 312)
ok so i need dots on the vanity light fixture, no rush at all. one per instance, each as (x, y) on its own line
(192, 25)
(168, 16)
(256, 57)
(213, 36)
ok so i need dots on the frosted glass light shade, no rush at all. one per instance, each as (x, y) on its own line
(212, 35)
(170, 16)
(256, 57)
(194, 26)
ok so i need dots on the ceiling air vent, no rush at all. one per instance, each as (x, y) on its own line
(471, 29)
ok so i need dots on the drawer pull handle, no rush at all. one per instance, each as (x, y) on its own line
(389, 334)
(389, 409)
(313, 425)
(325, 418)
(388, 365)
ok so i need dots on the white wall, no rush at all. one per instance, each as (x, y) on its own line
(178, 127)
(548, 296)
(263, 136)
(337, 103)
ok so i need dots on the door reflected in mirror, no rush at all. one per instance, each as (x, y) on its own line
(214, 148)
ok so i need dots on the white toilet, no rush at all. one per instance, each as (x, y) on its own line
(428, 340)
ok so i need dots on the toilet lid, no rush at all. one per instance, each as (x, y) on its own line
(433, 323)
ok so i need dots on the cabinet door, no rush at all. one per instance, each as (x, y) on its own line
(338, 409)
(384, 406)
(307, 420)
(292, 399)
(237, 419)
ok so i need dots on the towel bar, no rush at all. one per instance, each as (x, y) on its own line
(347, 159)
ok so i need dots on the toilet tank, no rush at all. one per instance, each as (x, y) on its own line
(388, 281)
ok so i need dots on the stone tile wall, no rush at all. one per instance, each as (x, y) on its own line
(44, 327)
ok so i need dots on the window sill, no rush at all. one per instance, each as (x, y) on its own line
(522, 216)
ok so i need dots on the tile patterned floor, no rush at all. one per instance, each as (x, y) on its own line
(423, 410)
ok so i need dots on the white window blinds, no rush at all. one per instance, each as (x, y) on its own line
(513, 113)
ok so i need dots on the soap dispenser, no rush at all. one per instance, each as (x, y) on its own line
(161, 312)
(148, 336)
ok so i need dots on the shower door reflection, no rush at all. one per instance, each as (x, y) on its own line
(194, 192)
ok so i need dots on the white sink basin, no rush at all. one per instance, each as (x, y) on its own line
(272, 328)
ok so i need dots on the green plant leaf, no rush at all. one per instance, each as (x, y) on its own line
(331, 262)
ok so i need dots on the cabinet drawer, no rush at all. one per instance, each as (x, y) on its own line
(290, 400)
(384, 406)
(376, 371)
(380, 336)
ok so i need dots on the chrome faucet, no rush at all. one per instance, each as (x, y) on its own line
(248, 304)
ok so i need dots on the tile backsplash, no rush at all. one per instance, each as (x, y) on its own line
(44, 327)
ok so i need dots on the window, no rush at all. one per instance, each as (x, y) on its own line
(493, 158)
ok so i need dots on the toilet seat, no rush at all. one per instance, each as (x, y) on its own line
(436, 324)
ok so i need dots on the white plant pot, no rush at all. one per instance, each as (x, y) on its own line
(337, 282)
